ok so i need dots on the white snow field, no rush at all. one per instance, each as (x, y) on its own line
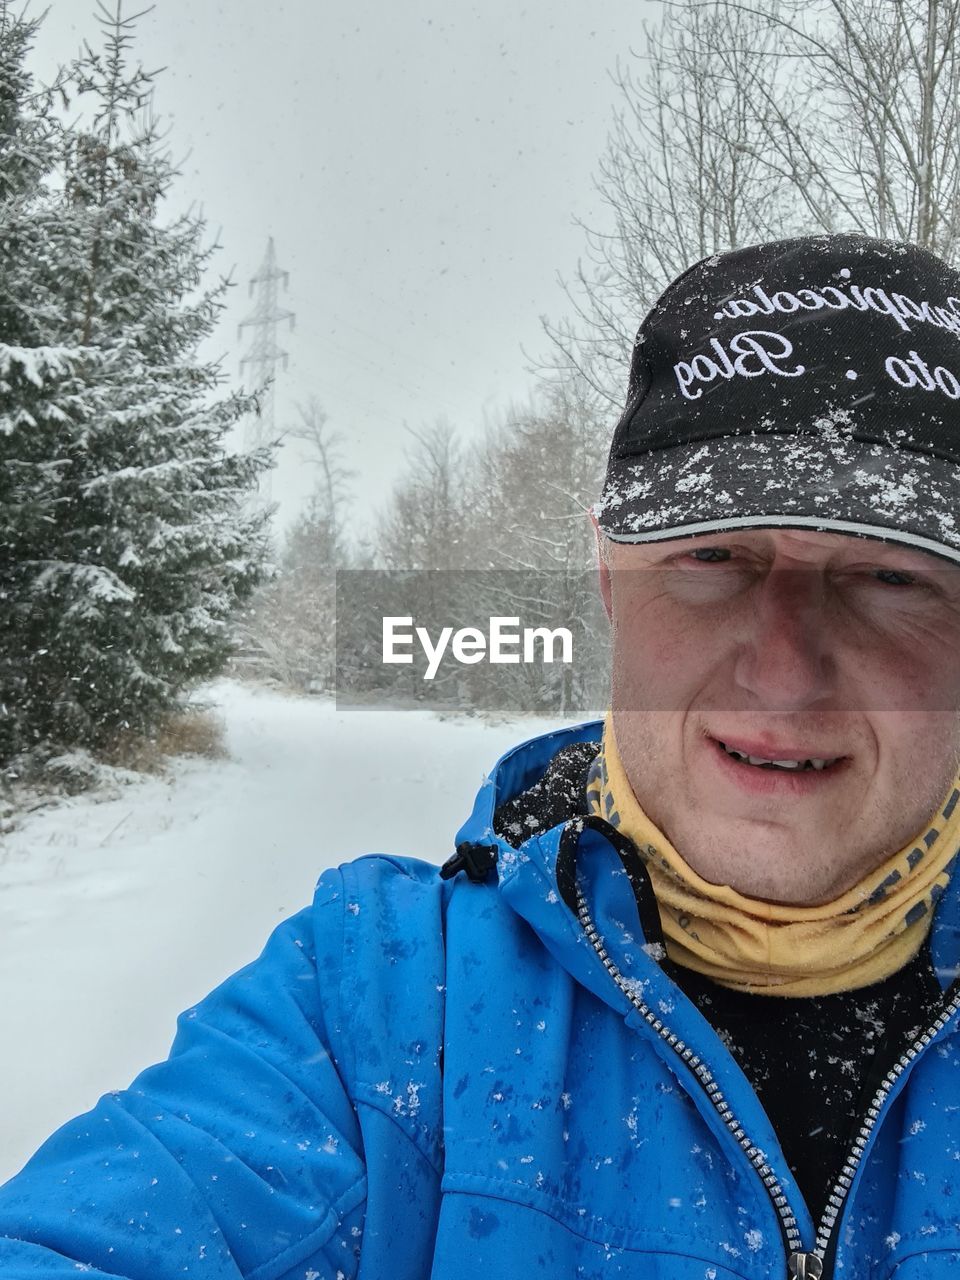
(117, 914)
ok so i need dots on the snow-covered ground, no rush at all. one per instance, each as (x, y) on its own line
(116, 914)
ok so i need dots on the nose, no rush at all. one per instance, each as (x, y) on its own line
(784, 659)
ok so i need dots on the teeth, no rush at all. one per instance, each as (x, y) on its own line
(763, 763)
(781, 764)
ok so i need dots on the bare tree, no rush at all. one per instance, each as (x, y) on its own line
(744, 120)
(499, 531)
(324, 448)
(876, 147)
(683, 175)
(535, 477)
(424, 523)
(289, 633)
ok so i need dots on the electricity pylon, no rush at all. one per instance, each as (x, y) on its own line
(264, 355)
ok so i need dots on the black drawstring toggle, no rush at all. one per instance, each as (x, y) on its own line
(477, 860)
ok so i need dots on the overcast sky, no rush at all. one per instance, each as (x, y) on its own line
(420, 166)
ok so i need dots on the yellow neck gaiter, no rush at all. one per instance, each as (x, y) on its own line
(863, 936)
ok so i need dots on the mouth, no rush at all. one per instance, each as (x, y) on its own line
(768, 770)
(783, 762)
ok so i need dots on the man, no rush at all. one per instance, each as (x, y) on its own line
(681, 1004)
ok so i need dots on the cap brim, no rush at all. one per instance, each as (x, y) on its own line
(836, 485)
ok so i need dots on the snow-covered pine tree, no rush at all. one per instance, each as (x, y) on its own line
(41, 385)
(152, 539)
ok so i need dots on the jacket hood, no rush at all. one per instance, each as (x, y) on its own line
(528, 873)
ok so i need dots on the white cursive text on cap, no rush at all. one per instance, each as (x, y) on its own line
(754, 352)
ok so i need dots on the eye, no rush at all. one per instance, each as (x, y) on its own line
(711, 555)
(894, 578)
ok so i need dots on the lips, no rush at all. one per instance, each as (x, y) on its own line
(792, 778)
(789, 760)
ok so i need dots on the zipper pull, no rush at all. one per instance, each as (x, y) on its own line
(477, 860)
(804, 1266)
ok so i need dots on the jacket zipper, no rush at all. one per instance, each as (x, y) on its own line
(802, 1264)
(845, 1179)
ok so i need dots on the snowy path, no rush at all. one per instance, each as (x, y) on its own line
(115, 915)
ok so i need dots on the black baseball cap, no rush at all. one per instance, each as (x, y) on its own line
(811, 383)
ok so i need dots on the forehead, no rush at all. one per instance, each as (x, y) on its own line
(805, 546)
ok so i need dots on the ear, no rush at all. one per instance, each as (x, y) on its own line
(603, 568)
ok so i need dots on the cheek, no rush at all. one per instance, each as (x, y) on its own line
(903, 656)
(915, 680)
(661, 660)
(917, 741)
(675, 637)
(918, 760)
(908, 689)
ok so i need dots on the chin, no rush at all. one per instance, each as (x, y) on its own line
(778, 873)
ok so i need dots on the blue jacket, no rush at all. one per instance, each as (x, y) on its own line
(455, 1079)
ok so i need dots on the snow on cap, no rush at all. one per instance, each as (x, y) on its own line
(807, 383)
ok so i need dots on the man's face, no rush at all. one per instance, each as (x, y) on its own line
(785, 645)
